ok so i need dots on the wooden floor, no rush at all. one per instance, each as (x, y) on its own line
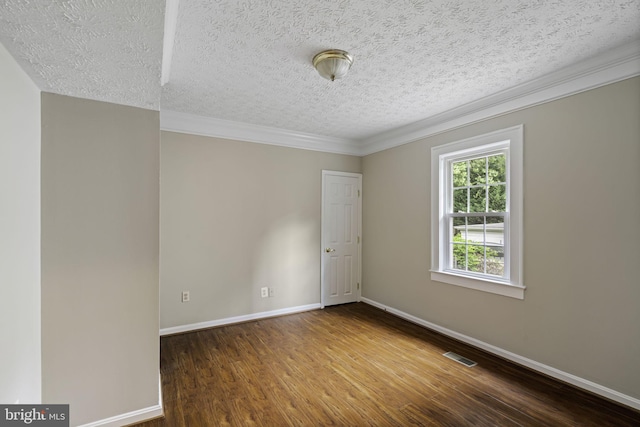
(355, 365)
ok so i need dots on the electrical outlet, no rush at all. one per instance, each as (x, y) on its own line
(264, 292)
(185, 296)
(271, 292)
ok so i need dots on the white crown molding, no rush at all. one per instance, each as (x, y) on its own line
(520, 360)
(237, 319)
(612, 66)
(207, 126)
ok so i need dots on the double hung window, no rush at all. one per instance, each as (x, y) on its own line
(477, 213)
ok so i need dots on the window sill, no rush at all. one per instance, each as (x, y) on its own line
(485, 285)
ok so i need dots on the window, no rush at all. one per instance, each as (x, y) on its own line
(476, 204)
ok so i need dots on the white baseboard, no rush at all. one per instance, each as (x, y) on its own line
(237, 319)
(520, 360)
(134, 417)
(140, 415)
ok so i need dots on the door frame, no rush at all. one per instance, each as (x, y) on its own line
(322, 242)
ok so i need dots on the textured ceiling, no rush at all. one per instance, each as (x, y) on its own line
(109, 50)
(249, 61)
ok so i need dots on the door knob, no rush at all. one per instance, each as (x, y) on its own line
(327, 250)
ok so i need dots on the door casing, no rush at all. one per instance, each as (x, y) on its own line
(324, 283)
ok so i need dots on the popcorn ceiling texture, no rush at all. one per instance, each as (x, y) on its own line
(250, 60)
(108, 50)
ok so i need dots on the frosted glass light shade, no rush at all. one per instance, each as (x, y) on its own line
(332, 64)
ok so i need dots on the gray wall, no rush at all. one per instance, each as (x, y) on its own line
(100, 189)
(237, 216)
(19, 234)
(581, 238)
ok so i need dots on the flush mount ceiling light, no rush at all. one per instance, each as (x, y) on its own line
(333, 64)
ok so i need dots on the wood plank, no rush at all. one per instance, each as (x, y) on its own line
(357, 365)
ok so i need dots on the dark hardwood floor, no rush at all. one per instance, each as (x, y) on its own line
(356, 365)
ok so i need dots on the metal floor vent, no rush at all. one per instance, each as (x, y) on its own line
(454, 356)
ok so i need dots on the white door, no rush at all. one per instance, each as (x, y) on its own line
(341, 224)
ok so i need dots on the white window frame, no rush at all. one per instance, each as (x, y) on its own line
(509, 141)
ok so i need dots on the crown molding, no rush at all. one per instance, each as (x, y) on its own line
(612, 66)
(207, 126)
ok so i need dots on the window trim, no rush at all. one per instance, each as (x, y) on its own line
(510, 139)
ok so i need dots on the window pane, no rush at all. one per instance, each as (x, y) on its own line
(459, 260)
(475, 230)
(498, 198)
(475, 258)
(478, 199)
(495, 260)
(497, 169)
(477, 171)
(460, 174)
(495, 230)
(460, 200)
(458, 229)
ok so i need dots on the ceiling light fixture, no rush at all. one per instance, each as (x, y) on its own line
(333, 64)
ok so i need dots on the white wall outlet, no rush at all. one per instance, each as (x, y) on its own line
(264, 292)
(271, 292)
(185, 296)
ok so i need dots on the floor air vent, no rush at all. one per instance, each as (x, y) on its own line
(454, 356)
